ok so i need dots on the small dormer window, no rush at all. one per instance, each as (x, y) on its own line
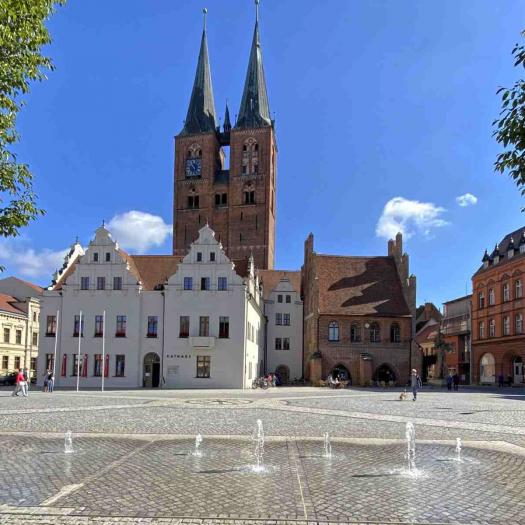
(522, 248)
(108, 256)
(485, 264)
(510, 253)
(496, 259)
(95, 257)
(212, 256)
(199, 256)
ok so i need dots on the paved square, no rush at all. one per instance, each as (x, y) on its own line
(132, 464)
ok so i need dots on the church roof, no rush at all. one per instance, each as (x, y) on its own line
(360, 286)
(201, 117)
(255, 110)
(271, 278)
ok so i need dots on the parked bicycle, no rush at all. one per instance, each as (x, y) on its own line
(260, 382)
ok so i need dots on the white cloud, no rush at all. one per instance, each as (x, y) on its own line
(138, 230)
(467, 200)
(21, 260)
(409, 217)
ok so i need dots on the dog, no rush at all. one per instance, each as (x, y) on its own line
(403, 395)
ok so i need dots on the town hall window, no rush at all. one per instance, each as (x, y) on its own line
(519, 324)
(184, 327)
(117, 283)
(355, 333)
(333, 331)
(84, 283)
(153, 322)
(222, 284)
(204, 326)
(224, 327)
(205, 283)
(99, 325)
(518, 291)
(375, 333)
(121, 326)
(51, 325)
(481, 330)
(492, 297)
(492, 328)
(395, 333)
(193, 202)
(506, 292)
(120, 362)
(506, 325)
(481, 300)
(203, 366)
(188, 283)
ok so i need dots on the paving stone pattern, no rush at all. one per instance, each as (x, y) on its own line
(117, 476)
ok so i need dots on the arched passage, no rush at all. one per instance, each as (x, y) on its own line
(487, 369)
(341, 372)
(385, 373)
(151, 371)
(283, 373)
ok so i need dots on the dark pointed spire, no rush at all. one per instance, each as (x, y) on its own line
(255, 110)
(227, 126)
(201, 116)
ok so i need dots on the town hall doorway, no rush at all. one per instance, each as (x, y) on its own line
(151, 378)
(518, 370)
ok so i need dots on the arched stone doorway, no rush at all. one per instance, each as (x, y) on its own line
(151, 371)
(517, 368)
(487, 369)
(341, 372)
(385, 374)
(283, 373)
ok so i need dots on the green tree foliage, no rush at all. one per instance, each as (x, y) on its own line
(22, 36)
(510, 126)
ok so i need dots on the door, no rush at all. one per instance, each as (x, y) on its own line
(151, 370)
(518, 370)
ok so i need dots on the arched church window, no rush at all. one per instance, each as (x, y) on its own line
(250, 159)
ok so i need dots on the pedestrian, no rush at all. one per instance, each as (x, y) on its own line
(456, 382)
(449, 381)
(50, 381)
(415, 383)
(46, 380)
(20, 384)
(501, 380)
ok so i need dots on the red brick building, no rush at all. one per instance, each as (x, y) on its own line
(227, 177)
(498, 309)
(359, 315)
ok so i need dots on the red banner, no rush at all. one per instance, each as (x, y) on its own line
(64, 363)
(106, 366)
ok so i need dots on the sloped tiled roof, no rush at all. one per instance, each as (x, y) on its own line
(65, 276)
(360, 286)
(6, 304)
(428, 333)
(36, 288)
(271, 278)
(153, 270)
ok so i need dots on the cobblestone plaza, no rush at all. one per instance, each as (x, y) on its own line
(132, 462)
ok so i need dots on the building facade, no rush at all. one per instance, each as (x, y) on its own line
(283, 308)
(19, 330)
(498, 309)
(227, 177)
(120, 316)
(456, 331)
(359, 315)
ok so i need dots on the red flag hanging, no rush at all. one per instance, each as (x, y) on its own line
(64, 363)
(106, 366)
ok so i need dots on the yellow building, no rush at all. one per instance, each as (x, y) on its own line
(19, 325)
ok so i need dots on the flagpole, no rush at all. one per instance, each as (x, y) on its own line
(79, 340)
(103, 348)
(56, 344)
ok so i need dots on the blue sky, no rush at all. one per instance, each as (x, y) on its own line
(373, 101)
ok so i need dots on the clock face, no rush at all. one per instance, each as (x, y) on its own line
(193, 168)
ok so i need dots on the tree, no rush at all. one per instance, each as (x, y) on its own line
(510, 126)
(22, 36)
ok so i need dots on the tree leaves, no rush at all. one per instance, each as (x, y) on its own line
(22, 35)
(510, 126)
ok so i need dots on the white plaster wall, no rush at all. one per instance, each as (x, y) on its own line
(292, 358)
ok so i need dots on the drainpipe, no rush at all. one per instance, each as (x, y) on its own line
(163, 338)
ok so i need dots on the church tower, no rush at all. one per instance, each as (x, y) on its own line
(238, 202)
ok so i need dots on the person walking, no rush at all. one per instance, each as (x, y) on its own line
(455, 379)
(449, 382)
(501, 380)
(415, 383)
(20, 384)
(50, 381)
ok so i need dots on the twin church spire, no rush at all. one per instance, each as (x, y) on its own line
(254, 111)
